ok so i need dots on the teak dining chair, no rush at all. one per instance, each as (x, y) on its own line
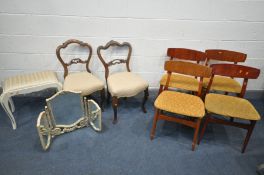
(122, 84)
(178, 80)
(190, 106)
(84, 81)
(231, 106)
(221, 83)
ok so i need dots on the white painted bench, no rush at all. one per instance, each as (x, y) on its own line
(23, 84)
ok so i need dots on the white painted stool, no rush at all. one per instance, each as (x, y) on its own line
(23, 84)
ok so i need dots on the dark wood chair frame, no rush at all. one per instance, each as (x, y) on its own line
(113, 62)
(190, 121)
(184, 54)
(77, 61)
(237, 71)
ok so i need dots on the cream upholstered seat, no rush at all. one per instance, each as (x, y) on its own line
(83, 82)
(230, 106)
(121, 84)
(225, 84)
(180, 103)
(126, 84)
(23, 84)
(178, 80)
(181, 82)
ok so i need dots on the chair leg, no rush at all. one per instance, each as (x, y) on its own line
(11, 104)
(160, 89)
(250, 129)
(204, 128)
(156, 117)
(108, 96)
(114, 105)
(146, 94)
(198, 123)
(4, 102)
(102, 94)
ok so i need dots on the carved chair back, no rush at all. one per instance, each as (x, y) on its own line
(187, 68)
(186, 54)
(74, 60)
(224, 55)
(235, 71)
(113, 43)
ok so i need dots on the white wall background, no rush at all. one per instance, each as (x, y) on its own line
(30, 31)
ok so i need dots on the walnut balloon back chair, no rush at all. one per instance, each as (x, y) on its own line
(182, 81)
(83, 81)
(122, 84)
(221, 83)
(231, 106)
(65, 112)
(183, 104)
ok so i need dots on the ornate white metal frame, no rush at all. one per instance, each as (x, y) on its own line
(46, 123)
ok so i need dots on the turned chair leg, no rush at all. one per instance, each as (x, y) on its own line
(102, 93)
(114, 105)
(204, 128)
(146, 94)
(156, 117)
(198, 123)
(250, 129)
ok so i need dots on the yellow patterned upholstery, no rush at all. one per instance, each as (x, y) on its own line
(231, 107)
(180, 103)
(225, 84)
(181, 81)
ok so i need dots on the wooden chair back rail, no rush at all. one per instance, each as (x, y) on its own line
(186, 54)
(224, 55)
(187, 69)
(75, 60)
(236, 71)
(113, 43)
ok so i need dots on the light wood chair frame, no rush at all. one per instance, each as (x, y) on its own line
(113, 62)
(237, 71)
(77, 61)
(192, 122)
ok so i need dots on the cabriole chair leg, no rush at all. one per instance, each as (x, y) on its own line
(102, 94)
(114, 105)
(146, 95)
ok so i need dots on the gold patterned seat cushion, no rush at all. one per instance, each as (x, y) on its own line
(180, 103)
(83, 82)
(231, 107)
(126, 84)
(181, 81)
(221, 83)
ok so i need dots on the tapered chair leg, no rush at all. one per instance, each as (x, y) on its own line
(204, 128)
(102, 94)
(198, 123)
(146, 94)
(160, 89)
(250, 129)
(108, 96)
(114, 105)
(156, 117)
